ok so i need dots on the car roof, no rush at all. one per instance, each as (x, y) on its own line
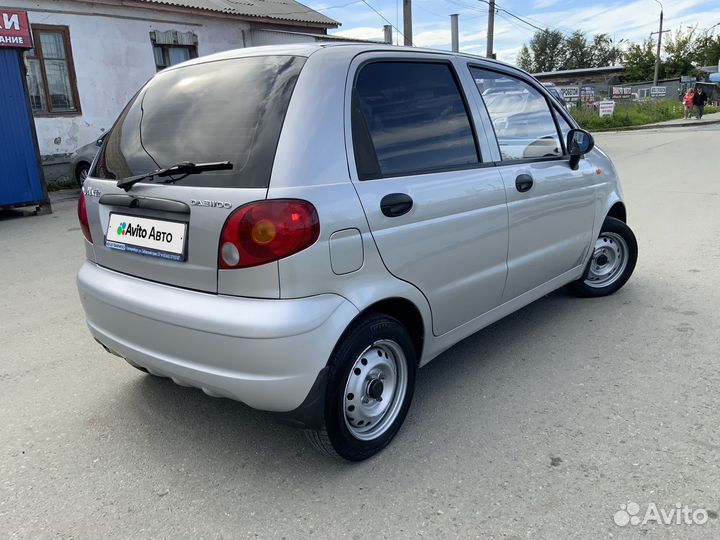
(349, 49)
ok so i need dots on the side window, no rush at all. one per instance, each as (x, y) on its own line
(524, 125)
(410, 117)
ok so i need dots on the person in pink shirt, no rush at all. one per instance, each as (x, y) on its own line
(689, 101)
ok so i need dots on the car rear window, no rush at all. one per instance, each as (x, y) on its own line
(228, 110)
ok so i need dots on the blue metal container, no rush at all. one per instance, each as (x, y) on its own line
(21, 182)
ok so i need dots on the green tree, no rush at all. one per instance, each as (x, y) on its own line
(605, 52)
(707, 50)
(639, 61)
(549, 50)
(524, 59)
(576, 52)
(680, 49)
(546, 48)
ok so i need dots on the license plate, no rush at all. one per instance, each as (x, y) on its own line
(143, 236)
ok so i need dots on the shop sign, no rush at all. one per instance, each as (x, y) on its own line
(14, 29)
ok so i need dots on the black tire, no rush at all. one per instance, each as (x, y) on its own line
(613, 230)
(81, 172)
(335, 438)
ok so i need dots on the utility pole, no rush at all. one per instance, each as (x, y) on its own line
(491, 29)
(454, 32)
(407, 22)
(657, 58)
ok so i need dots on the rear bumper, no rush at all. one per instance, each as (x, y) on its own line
(265, 353)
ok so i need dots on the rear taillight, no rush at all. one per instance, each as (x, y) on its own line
(265, 231)
(83, 218)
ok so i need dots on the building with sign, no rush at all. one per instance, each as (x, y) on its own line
(587, 76)
(90, 57)
(591, 84)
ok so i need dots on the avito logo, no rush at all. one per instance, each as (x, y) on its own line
(138, 231)
(127, 229)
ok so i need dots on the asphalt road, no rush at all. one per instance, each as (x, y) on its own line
(540, 426)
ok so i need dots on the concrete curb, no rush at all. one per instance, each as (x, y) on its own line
(681, 124)
(661, 125)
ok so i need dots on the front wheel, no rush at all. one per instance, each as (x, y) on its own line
(81, 173)
(370, 387)
(612, 262)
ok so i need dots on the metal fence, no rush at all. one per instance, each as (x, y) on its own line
(671, 90)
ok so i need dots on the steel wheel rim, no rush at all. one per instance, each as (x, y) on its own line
(608, 262)
(84, 173)
(375, 390)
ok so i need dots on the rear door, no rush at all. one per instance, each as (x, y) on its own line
(227, 110)
(437, 211)
(551, 207)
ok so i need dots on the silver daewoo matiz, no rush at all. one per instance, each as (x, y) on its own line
(300, 228)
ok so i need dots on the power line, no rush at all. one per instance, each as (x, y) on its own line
(564, 29)
(513, 22)
(521, 19)
(383, 18)
(419, 6)
(465, 6)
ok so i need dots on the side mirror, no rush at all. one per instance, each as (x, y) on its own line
(579, 143)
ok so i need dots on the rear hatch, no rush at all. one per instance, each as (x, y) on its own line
(222, 110)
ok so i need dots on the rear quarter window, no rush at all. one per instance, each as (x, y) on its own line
(228, 110)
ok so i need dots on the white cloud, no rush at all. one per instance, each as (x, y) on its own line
(541, 4)
(432, 38)
(441, 37)
(508, 55)
(631, 20)
(362, 32)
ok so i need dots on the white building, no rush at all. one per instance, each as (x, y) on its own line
(90, 57)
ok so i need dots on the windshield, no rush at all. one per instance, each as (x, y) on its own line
(228, 110)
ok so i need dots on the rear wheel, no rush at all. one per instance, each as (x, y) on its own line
(369, 390)
(612, 262)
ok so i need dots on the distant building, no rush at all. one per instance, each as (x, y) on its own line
(608, 76)
(90, 57)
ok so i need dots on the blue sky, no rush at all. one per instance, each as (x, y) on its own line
(622, 19)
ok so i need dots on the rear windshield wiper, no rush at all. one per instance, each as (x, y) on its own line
(184, 168)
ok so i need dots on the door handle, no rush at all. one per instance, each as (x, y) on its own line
(396, 204)
(524, 182)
